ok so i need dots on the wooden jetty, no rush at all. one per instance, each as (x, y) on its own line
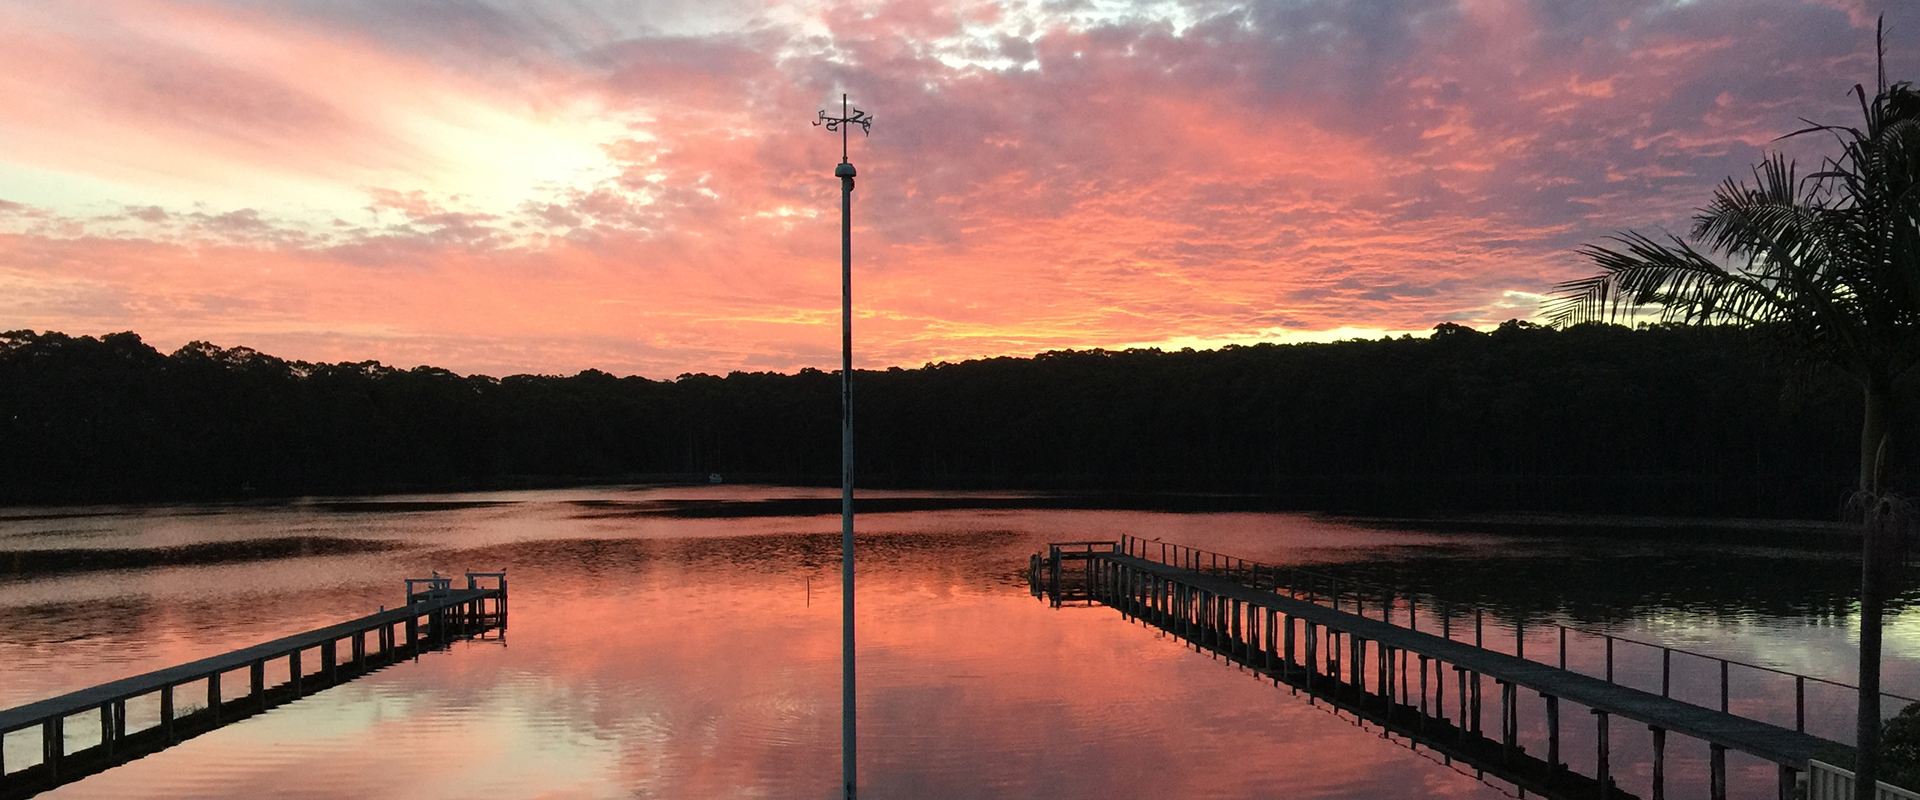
(435, 614)
(1397, 676)
(1418, 725)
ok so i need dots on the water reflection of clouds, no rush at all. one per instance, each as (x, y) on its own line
(695, 676)
(691, 657)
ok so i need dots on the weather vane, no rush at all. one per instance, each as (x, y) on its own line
(858, 117)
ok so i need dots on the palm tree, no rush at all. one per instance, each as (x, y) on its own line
(1829, 264)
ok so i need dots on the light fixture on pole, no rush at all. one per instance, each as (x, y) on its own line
(844, 171)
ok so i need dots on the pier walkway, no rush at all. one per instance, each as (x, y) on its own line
(1396, 675)
(304, 663)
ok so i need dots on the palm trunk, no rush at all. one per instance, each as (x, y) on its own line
(1873, 435)
(1875, 561)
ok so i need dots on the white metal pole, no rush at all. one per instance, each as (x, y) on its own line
(845, 173)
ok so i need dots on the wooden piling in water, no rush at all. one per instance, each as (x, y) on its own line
(1659, 762)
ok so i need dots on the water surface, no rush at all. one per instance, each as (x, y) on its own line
(657, 651)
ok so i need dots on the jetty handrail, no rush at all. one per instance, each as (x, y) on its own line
(1184, 556)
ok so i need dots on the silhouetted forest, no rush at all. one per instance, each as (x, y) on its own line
(1665, 419)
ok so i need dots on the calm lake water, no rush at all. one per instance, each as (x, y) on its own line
(656, 650)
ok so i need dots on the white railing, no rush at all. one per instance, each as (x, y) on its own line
(1828, 782)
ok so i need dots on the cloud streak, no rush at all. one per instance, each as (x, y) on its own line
(492, 189)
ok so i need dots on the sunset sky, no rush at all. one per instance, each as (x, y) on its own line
(635, 186)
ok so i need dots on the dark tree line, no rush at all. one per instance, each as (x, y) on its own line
(1523, 417)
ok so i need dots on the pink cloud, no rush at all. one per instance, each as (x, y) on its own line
(1034, 181)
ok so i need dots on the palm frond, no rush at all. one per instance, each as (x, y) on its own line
(1829, 261)
(1682, 282)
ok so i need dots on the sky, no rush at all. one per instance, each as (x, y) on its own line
(637, 186)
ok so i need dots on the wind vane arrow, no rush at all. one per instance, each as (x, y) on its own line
(844, 121)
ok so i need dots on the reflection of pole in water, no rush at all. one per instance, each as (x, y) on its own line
(845, 172)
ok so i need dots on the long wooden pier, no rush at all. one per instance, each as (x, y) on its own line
(314, 660)
(1398, 675)
(1417, 724)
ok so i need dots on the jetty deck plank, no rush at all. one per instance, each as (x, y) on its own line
(1771, 742)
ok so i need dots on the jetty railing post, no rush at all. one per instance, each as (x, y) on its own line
(1610, 659)
(1312, 655)
(293, 671)
(1666, 672)
(257, 675)
(1476, 702)
(1553, 730)
(1189, 611)
(1218, 619)
(1717, 772)
(1800, 703)
(1510, 703)
(1226, 615)
(1403, 670)
(1601, 772)
(1789, 782)
(1659, 762)
(52, 745)
(1423, 685)
(1479, 618)
(1506, 742)
(1382, 674)
(1273, 639)
(1563, 646)
(1723, 685)
(1256, 634)
(1461, 673)
(1287, 658)
(1519, 637)
(213, 695)
(166, 710)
